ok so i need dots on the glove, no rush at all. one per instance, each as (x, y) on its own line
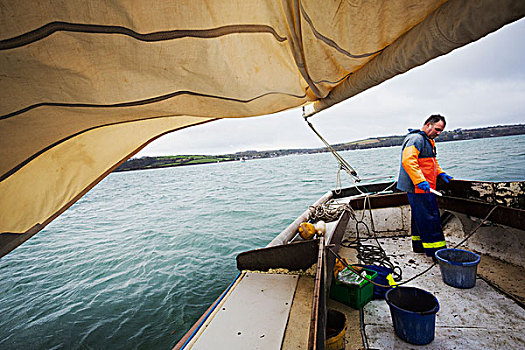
(424, 186)
(446, 178)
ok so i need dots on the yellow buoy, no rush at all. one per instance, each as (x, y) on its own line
(306, 230)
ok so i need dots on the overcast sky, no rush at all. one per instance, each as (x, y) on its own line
(482, 84)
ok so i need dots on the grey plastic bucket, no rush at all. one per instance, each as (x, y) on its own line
(458, 267)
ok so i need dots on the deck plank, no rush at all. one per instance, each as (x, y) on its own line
(298, 327)
(254, 316)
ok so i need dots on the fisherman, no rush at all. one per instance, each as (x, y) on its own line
(417, 175)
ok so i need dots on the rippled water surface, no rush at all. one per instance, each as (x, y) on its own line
(136, 261)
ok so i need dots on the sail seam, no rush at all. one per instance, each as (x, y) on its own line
(53, 27)
(103, 175)
(35, 155)
(140, 102)
(332, 43)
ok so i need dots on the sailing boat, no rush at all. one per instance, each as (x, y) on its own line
(85, 86)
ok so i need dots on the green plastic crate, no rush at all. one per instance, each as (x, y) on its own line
(355, 296)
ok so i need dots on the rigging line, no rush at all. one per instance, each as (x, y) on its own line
(388, 188)
(369, 253)
(477, 227)
(332, 209)
(342, 162)
(428, 268)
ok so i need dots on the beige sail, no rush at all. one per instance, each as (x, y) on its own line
(86, 84)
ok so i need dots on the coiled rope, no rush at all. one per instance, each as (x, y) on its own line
(367, 253)
(371, 254)
(331, 211)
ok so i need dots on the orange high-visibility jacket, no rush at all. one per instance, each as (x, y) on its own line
(418, 162)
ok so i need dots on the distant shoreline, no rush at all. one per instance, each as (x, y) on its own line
(144, 163)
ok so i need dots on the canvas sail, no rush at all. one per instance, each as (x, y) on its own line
(86, 84)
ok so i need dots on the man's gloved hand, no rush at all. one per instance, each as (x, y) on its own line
(424, 186)
(446, 178)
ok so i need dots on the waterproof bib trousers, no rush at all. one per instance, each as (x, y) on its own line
(427, 234)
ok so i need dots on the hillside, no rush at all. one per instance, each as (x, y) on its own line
(454, 135)
(374, 142)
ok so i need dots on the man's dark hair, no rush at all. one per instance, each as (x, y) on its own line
(434, 118)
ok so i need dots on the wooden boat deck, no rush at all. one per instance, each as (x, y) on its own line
(490, 315)
(476, 318)
(252, 316)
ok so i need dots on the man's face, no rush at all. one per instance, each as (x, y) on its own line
(433, 130)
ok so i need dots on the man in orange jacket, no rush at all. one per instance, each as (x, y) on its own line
(417, 175)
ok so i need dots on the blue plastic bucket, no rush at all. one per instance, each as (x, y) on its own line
(458, 267)
(413, 313)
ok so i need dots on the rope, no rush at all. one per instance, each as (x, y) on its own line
(343, 164)
(338, 183)
(457, 245)
(477, 227)
(354, 270)
(379, 257)
(367, 253)
(332, 209)
(327, 212)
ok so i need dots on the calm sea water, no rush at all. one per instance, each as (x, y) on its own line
(137, 260)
